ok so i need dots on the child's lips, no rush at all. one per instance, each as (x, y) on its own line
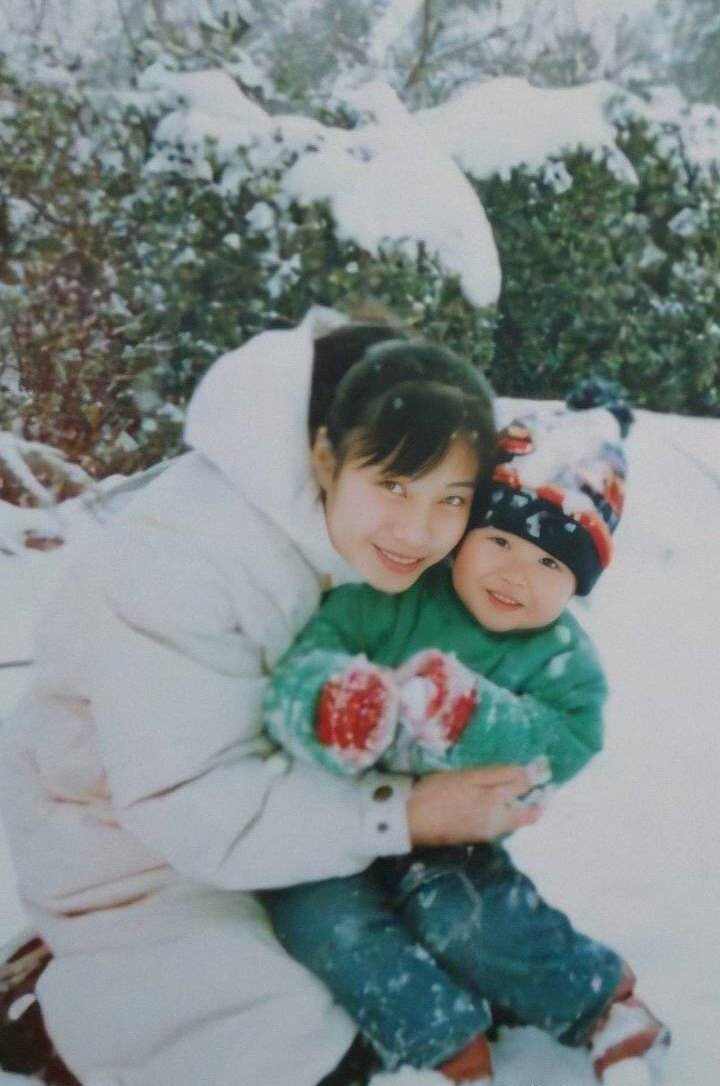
(502, 602)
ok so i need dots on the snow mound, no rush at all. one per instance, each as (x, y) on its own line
(628, 1073)
(398, 179)
(495, 126)
(409, 1076)
(385, 182)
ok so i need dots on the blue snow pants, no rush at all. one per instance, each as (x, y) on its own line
(421, 950)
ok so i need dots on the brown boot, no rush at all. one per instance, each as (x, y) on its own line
(25, 1047)
(472, 1064)
(24, 1044)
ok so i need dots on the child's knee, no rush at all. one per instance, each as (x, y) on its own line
(446, 911)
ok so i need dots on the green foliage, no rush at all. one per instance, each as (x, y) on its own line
(126, 269)
(608, 278)
(694, 41)
(125, 272)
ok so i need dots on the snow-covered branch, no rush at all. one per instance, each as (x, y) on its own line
(24, 460)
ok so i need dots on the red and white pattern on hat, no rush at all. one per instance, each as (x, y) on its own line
(573, 459)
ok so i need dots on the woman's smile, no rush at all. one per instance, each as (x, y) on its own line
(417, 519)
(398, 562)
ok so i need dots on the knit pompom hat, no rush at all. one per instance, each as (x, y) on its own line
(560, 478)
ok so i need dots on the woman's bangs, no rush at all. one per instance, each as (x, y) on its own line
(413, 429)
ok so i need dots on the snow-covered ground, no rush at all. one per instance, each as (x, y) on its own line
(630, 849)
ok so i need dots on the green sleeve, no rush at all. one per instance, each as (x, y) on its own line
(329, 642)
(558, 714)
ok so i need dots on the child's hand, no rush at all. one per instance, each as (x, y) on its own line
(356, 713)
(437, 698)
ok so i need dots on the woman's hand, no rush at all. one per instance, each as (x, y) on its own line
(470, 806)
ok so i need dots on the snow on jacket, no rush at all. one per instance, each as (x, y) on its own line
(139, 791)
(537, 691)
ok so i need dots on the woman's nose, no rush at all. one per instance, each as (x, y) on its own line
(412, 526)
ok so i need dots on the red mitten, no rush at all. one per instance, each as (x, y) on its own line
(356, 713)
(437, 698)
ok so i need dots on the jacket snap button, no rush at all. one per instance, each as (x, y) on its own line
(382, 792)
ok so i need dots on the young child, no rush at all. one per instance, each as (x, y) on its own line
(474, 665)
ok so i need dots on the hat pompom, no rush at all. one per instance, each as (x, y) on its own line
(599, 392)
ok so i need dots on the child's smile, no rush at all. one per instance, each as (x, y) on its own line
(503, 602)
(508, 583)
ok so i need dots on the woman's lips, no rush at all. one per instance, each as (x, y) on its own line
(397, 563)
(503, 603)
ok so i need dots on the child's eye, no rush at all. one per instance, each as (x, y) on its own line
(500, 540)
(549, 562)
(392, 485)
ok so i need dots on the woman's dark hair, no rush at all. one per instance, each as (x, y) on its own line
(334, 354)
(404, 403)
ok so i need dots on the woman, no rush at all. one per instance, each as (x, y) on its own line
(141, 796)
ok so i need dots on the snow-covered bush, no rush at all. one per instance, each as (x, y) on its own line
(607, 277)
(127, 264)
(132, 254)
(73, 327)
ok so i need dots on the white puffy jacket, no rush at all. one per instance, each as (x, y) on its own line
(141, 797)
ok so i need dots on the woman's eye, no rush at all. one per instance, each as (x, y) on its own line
(456, 500)
(392, 485)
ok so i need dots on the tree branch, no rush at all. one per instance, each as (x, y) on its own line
(125, 24)
(427, 40)
(42, 210)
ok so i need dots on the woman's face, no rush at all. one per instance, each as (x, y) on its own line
(391, 528)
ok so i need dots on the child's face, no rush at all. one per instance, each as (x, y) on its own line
(392, 528)
(508, 583)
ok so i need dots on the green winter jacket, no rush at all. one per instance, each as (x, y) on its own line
(538, 691)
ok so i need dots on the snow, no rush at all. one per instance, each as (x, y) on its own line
(624, 1021)
(629, 849)
(213, 92)
(396, 17)
(698, 122)
(390, 185)
(628, 1073)
(398, 178)
(494, 126)
(385, 181)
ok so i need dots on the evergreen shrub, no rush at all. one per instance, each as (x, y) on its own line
(605, 277)
(122, 280)
(123, 274)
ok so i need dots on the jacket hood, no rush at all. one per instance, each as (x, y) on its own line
(249, 415)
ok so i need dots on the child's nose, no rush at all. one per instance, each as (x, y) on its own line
(514, 573)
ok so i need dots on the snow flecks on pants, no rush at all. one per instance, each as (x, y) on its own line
(420, 949)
